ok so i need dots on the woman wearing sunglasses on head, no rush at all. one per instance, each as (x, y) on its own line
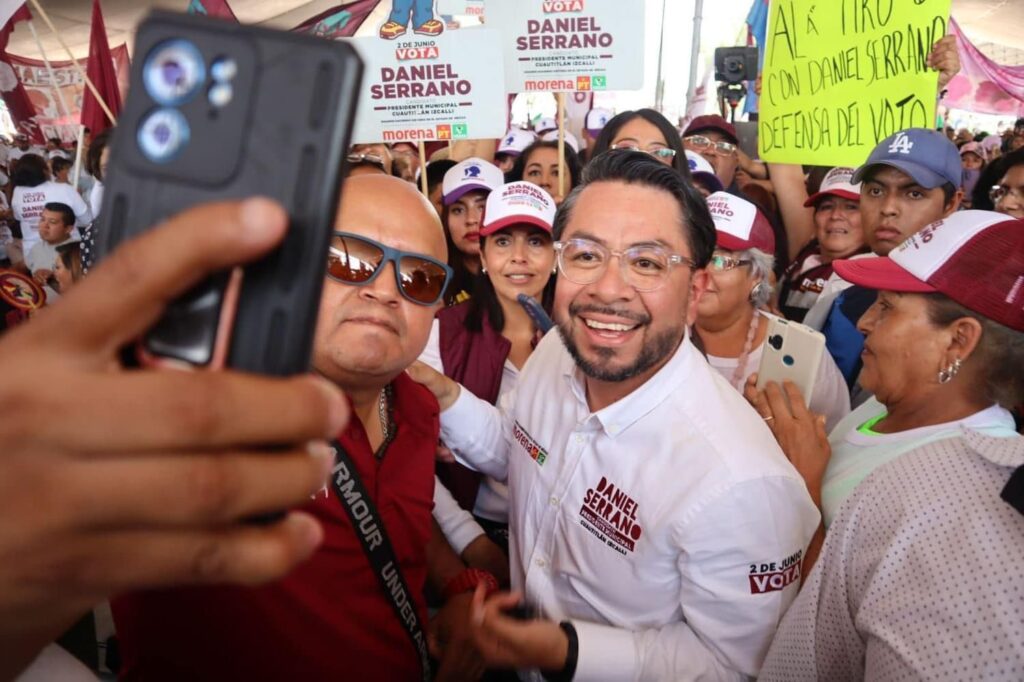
(647, 131)
(484, 342)
(464, 192)
(730, 325)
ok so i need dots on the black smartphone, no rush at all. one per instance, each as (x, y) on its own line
(219, 110)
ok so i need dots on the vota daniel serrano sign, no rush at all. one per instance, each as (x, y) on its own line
(570, 45)
(445, 87)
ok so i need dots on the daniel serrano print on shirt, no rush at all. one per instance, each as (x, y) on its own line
(668, 526)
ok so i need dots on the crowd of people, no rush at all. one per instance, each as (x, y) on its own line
(536, 444)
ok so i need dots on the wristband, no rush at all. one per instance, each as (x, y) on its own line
(467, 580)
(572, 655)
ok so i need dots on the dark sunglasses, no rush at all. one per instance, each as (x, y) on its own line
(357, 260)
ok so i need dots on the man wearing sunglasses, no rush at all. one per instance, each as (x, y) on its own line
(655, 526)
(331, 618)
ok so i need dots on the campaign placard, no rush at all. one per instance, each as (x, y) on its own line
(570, 45)
(839, 76)
(446, 87)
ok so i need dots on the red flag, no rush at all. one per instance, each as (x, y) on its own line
(212, 8)
(11, 87)
(100, 71)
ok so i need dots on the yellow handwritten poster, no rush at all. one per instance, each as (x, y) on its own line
(841, 75)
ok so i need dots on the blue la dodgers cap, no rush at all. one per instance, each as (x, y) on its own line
(923, 154)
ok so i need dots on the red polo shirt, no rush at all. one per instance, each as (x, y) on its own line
(329, 618)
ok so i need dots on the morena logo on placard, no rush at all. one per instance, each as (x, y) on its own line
(554, 6)
(419, 50)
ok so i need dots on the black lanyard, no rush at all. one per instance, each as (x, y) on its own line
(369, 528)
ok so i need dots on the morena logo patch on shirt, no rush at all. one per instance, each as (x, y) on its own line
(610, 514)
(775, 575)
(532, 448)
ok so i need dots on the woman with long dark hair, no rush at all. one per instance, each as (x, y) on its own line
(538, 164)
(647, 131)
(464, 192)
(483, 342)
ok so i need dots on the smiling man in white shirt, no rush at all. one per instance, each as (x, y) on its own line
(656, 528)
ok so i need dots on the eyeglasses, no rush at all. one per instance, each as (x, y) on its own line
(1000, 192)
(725, 263)
(363, 157)
(663, 153)
(356, 260)
(706, 144)
(645, 268)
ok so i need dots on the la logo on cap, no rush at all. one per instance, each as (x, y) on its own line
(901, 144)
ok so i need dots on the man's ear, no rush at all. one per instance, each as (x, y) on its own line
(954, 204)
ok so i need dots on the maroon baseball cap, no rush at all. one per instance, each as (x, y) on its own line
(975, 258)
(739, 225)
(712, 122)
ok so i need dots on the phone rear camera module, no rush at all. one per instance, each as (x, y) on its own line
(163, 134)
(220, 95)
(174, 71)
(223, 69)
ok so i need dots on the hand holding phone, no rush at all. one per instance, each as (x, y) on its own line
(791, 352)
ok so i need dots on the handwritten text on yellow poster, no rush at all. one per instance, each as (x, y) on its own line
(841, 75)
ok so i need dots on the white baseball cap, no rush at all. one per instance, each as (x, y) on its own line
(701, 169)
(518, 203)
(469, 175)
(545, 124)
(838, 182)
(597, 119)
(570, 139)
(515, 141)
(975, 258)
(739, 224)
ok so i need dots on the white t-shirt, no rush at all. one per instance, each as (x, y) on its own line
(856, 454)
(27, 203)
(96, 198)
(831, 396)
(668, 526)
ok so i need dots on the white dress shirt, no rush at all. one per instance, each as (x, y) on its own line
(920, 575)
(668, 526)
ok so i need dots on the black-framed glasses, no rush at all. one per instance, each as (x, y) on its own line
(644, 267)
(720, 263)
(357, 260)
(663, 153)
(706, 144)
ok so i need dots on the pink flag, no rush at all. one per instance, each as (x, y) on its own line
(982, 86)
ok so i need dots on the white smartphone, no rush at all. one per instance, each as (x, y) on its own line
(791, 352)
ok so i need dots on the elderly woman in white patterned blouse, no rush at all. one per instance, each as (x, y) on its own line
(914, 579)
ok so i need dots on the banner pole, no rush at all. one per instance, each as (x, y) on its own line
(423, 169)
(77, 170)
(74, 62)
(561, 145)
(49, 70)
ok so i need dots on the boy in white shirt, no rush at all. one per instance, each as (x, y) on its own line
(55, 226)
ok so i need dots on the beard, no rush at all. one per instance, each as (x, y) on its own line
(654, 351)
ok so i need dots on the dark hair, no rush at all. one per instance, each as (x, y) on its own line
(96, 147)
(638, 168)
(668, 131)
(54, 140)
(71, 258)
(66, 213)
(484, 301)
(30, 171)
(990, 176)
(462, 278)
(59, 163)
(436, 171)
(572, 162)
(998, 356)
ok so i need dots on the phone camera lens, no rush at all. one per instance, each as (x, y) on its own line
(788, 360)
(173, 72)
(163, 134)
(775, 341)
